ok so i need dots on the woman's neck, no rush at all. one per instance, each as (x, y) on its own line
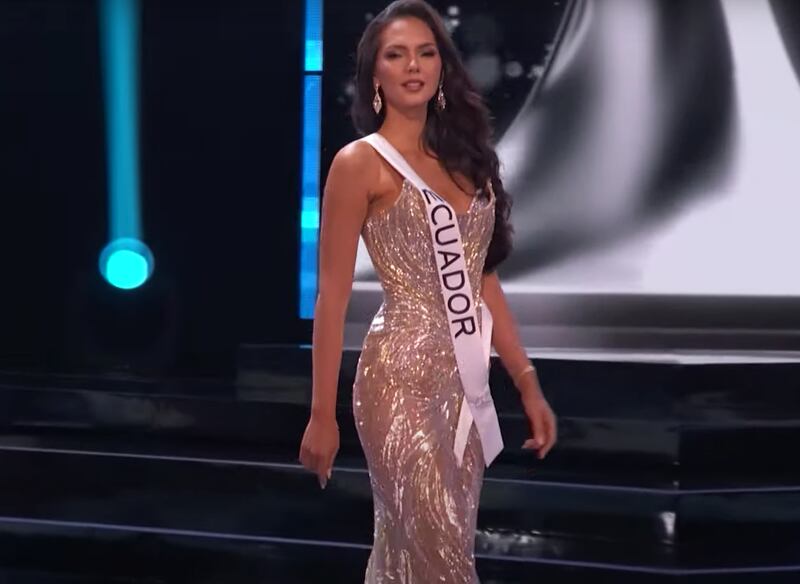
(405, 130)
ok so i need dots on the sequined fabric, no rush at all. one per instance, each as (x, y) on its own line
(406, 400)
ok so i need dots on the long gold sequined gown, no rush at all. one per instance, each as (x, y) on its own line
(406, 400)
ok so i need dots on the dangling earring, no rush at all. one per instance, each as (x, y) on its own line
(441, 102)
(377, 102)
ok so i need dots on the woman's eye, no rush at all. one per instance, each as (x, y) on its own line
(429, 54)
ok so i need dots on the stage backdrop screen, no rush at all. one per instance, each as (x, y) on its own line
(650, 147)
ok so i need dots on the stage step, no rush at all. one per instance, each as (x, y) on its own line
(641, 416)
(53, 486)
(663, 472)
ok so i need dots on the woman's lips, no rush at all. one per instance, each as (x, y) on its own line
(413, 85)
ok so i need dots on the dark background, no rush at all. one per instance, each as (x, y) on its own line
(220, 118)
(220, 112)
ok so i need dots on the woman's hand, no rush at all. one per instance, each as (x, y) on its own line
(319, 447)
(542, 421)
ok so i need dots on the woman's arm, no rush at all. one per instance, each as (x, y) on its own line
(514, 358)
(344, 208)
(505, 337)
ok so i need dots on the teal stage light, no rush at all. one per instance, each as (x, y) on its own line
(126, 263)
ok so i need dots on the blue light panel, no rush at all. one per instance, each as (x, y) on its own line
(310, 192)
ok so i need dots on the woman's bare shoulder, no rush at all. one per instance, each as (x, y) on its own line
(358, 162)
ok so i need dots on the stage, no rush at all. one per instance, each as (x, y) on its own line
(670, 467)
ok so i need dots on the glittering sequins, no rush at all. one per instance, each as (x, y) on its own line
(406, 400)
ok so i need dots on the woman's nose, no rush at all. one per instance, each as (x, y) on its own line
(413, 65)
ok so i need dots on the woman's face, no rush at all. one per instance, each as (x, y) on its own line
(408, 65)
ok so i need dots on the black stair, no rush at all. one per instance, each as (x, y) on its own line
(663, 472)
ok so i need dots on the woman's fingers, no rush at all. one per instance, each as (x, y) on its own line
(324, 468)
(329, 463)
(316, 464)
(308, 460)
(318, 448)
(538, 429)
(542, 437)
(538, 440)
(550, 425)
(325, 476)
(323, 471)
(312, 461)
(543, 429)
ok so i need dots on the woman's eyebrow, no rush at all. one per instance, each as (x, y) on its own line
(400, 46)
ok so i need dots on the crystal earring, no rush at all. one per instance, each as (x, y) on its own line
(377, 102)
(441, 102)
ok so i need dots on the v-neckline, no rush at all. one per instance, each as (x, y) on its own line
(406, 188)
(411, 185)
(405, 179)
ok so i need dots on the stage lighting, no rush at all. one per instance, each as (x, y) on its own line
(126, 263)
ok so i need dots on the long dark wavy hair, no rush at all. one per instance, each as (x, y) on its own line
(460, 135)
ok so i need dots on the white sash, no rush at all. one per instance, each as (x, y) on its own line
(472, 346)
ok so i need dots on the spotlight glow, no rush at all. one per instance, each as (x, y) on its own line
(126, 263)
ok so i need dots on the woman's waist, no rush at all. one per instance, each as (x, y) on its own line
(424, 318)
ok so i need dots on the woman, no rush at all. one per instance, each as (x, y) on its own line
(413, 96)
